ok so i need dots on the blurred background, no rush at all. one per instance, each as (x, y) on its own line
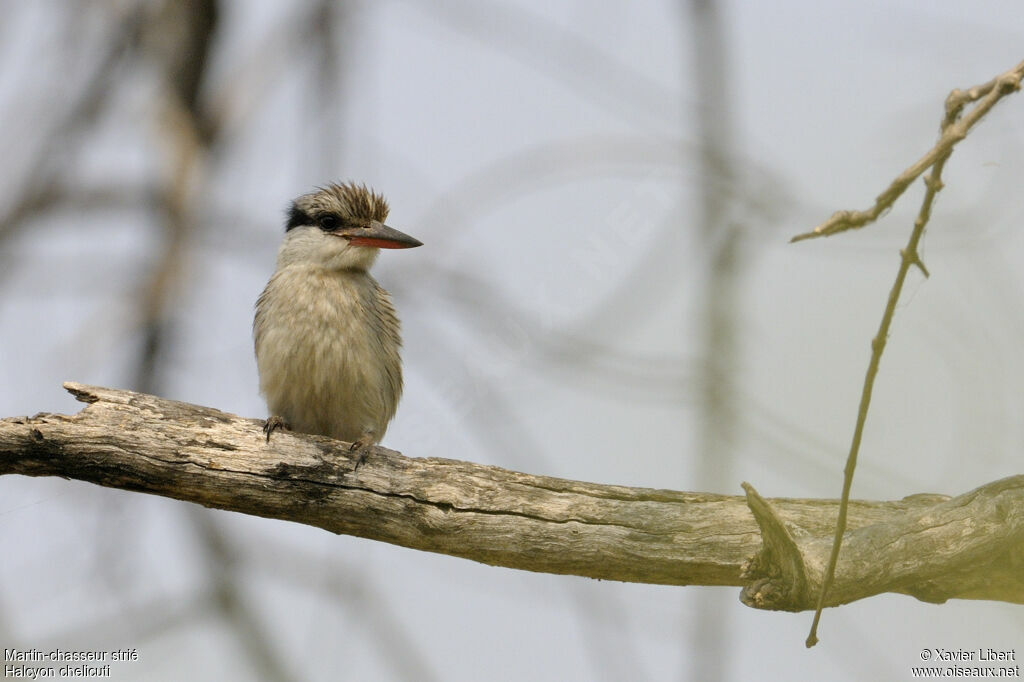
(606, 293)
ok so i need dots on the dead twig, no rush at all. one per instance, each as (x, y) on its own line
(954, 128)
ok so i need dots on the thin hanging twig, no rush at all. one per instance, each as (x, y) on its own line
(953, 129)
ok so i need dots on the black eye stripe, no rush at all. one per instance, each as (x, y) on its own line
(296, 218)
(328, 222)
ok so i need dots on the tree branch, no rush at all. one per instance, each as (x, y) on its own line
(928, 546)
(952, 133)
(968, 547)
(953, 130)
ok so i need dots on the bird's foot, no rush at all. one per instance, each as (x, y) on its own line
(273, 424)
(361, 450)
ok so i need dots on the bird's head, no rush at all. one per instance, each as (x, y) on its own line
(340, 227)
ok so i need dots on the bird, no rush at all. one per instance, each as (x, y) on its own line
(326, 334)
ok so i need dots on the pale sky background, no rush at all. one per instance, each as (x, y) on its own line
(546, 155)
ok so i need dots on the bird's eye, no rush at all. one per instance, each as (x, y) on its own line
(329, 223)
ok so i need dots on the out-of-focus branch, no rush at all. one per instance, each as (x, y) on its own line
(933, 547)
(722, 239)
(178, 39)
(40, 182)
(560, 54)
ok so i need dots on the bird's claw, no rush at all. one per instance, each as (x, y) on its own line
(361, 449)
(274, 423)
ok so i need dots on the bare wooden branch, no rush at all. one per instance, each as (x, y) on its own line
(952, 133)
(931, 547)
(971, 546)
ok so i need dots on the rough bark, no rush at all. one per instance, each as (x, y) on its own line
(929, 546)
